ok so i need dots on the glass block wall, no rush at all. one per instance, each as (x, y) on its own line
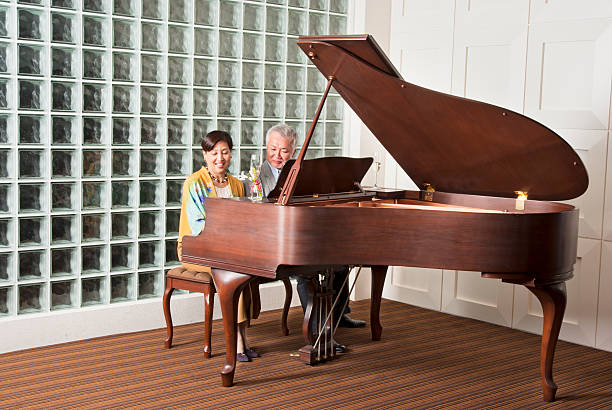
(102, 106)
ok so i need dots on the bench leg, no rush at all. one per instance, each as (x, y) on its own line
(209, 302)
(168, 316)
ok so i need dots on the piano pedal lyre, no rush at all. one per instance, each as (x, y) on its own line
(321, 347)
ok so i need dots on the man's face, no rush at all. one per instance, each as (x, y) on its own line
(278, 150)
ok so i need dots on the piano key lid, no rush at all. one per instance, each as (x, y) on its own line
(450, 143)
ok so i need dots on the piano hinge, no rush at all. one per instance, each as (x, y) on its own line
(427, 192)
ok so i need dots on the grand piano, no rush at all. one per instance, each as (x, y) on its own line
(486, 178)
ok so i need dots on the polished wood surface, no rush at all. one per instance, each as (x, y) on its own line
(467, 157)
(535, 247)
(430, 238)
(455, 144)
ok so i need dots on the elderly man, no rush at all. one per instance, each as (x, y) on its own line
(281, 141)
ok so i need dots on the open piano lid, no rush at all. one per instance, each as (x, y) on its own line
(454, 144)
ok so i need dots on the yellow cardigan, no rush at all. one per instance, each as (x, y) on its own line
(198, 186)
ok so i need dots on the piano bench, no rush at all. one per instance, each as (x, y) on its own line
(181, 278)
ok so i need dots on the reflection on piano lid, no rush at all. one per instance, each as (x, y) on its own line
(454, 144)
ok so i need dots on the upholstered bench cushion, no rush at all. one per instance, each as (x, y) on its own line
(181, 273)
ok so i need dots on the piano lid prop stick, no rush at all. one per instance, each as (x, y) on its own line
(332, 348)
(328, 280)
(289, 186)
(326, 303)
(319, 327)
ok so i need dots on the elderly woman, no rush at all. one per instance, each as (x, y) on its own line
(213, 180)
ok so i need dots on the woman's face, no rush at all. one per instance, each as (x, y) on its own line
(218, 158)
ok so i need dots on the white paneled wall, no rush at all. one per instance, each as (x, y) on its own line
(467, 294)
(568, 73)
(549, 60)
(426, 55)
(420, 286)
(591, 147)
(489, 54)
(604, 313)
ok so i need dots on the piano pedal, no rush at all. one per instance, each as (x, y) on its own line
(311, 356)
(307, 355)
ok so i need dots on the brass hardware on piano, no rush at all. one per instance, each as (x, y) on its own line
(311, 54)
(426, 194)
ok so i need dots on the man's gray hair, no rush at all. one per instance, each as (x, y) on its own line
(286, 131)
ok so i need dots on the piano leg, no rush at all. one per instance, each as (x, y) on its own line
(378, 281)
(229, 285)
(553, 299)
(288, 297)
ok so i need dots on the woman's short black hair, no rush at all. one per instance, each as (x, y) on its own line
(212, 138)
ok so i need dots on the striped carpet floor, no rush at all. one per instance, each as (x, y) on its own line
(426, 359)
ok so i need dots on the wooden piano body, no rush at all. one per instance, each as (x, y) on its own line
(454, 231)
(468, 157)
